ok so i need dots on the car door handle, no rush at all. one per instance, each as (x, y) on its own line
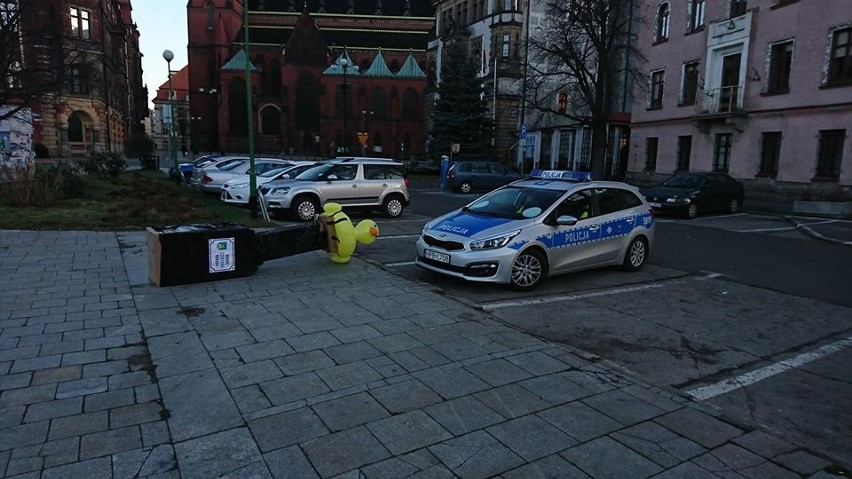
(354, 186)
(384, 185)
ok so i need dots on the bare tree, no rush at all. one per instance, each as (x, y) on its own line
(585, 49)
(35, 55)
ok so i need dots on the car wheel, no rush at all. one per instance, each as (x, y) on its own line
(304, 208)
(734, 206)
(393, 206)
(636, 255)
(692, 211)
(465, 187)
(528, 270)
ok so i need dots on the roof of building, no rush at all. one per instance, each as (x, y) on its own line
(336, 68)
(180, 84)
(414, 8)
(410, 69)
(238, 62)
(379, 68)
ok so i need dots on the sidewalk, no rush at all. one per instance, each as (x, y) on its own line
(313, 369)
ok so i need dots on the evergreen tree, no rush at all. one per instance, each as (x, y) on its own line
(459, 115)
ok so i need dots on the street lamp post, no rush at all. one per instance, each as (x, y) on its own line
(169, 56)
(344, 63)
(249, 122)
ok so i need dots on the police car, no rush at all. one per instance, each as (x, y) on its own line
(551, 223)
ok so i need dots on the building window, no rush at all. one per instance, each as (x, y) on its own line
(840, 68)
(651, 153)
(75, 130)
(722, 152)
(780, 65)
(80, 23)
(79, 80)
(738, 7)
(684, 152)
(410, 104)
(270, 121)
(663, 16)
(696, 14)
(657, 82)
(770, 152)
(690, 83)
(379, 103)
(830, 153)
(562, 103)
(504, 51)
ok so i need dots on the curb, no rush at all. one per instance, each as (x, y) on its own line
(814, 234)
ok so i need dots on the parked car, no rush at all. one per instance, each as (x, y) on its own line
(689, 194)
(352, 182)
(212, 179)
(466, 176)
(236, 191)
(552, 223)
(209, 163)
(186, 168)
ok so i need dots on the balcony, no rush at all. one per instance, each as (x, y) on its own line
(721, 105)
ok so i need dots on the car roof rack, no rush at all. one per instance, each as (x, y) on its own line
(562, 175)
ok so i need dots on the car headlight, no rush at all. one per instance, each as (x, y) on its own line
(678, 200)
(240, 185)
(495, 242)
(279, 191)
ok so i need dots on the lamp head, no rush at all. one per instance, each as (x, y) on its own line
(344, 63)
(168, 55)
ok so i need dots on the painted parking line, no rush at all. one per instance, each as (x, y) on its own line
(389, 237)
(767, 230)
(722, 387)
(594, 294)
(399, 263)
(718, 217)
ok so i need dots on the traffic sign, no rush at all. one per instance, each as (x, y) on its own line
(362, 137)
(456, 147)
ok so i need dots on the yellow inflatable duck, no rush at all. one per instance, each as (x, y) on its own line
(342, 235)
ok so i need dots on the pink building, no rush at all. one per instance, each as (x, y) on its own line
(761, 89)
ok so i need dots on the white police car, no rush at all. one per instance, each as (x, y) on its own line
(551, 223)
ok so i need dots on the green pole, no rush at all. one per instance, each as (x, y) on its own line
(249, 122)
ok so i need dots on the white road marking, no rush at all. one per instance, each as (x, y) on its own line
(704, 218)
(399, 263)
(767, 230)
(594, 294)
(380, 237)
(749, 378)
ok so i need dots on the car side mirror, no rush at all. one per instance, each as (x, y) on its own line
(566, 220)
(286, 177)
(331, 177)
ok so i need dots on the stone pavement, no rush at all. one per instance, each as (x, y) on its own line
(312, 369)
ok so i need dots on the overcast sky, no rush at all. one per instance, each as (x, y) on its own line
(162, 26)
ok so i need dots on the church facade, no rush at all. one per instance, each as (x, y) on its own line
(327, 77)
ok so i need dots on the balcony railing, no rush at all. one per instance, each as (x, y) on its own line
(727, 99)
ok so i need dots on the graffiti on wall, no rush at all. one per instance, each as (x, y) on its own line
(16, 138)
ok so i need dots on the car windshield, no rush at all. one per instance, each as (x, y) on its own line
(314, 173)
(293, 171)
(683, 181)
(273, 172)
(231, 166)
(515, 203)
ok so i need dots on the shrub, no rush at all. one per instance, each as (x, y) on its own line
(102, 164)
(42, 185)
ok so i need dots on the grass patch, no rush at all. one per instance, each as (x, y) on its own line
(130, 201)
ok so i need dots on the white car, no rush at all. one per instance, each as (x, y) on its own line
(552, 223)
(236, 191)
(212, 179)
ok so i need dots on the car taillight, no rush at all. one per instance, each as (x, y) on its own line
(451, 174)
(207, 179)
(405, 180)
(653, 214)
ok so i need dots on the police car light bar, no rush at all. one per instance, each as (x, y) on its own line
(562, 175)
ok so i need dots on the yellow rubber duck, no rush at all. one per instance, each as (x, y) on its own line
(342, 235)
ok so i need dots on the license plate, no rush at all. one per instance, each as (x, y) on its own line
(654, 205)
(436, 256)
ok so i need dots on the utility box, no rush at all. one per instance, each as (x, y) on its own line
(201, 252)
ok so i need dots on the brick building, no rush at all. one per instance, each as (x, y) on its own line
(93, 47)
(323, 72)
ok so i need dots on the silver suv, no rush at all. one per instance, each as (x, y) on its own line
(352, 182)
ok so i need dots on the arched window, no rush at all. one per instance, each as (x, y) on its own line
(75, 129)
(307, 103)
(341, 110)
(379, 103)
(274, 75)
(663, 16)
(237, 114)
(410, 104)
(270, 121)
